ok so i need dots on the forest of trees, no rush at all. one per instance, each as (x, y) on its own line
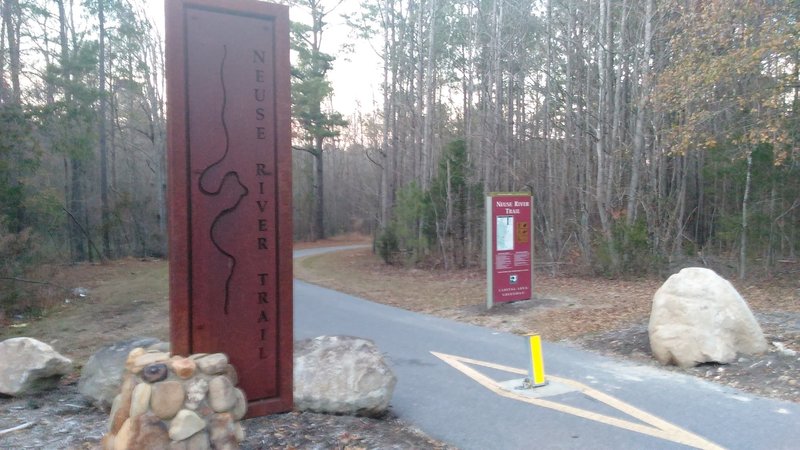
(82, 135)
(648, 131)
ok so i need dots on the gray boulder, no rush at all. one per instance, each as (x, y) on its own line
(101, 377)
(698, 317)
(341, 375)
(28, 365)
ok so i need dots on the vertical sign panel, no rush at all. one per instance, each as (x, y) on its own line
(509, 247)
(230, 191)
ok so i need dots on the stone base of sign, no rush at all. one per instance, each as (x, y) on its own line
(178, 403)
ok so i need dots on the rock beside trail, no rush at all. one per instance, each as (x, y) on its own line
(332, 374)
(101, 377)
(341, 375)
(699, 317)
(28, 365)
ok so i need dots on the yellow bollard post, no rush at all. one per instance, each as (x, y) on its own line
(536, 367)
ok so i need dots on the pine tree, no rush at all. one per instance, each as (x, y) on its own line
(310, 88)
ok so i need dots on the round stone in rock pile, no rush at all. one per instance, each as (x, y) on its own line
(178, 403)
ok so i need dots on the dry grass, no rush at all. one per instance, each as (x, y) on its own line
(342, 239)
(126, 298)
(564, 307)
(360, 273)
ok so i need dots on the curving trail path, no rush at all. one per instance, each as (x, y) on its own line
(464, 392)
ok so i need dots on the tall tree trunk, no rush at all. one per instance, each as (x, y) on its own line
(319, 203)
(612, 85)
(497, 78)
(430, 90)
(619, 86)
(77, 208)
(388, 150)
(417, 92)
(11, 22)
(105, 216)
(600, 149)
(644, 92)
(769, 260)
(74, 196)
(548, 221)
(158, 120)
(681, 179)
(745, 204)
(602, 186)
(4, 94)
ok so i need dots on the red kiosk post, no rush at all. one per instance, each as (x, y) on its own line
(509, 247)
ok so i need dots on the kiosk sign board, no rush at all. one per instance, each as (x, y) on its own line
(509, 244)
(230, 173)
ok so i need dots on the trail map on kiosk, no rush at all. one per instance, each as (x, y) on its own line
(505, 233)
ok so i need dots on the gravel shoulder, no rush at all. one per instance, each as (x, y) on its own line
(60, 419)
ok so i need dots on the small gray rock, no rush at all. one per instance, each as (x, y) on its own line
(185, 424)
(149, 358)
(196, 389)
(154, 373)
(167, 399)
(101, 377)
(240, 408)
(212, 364)
(222, 431)
(140, 399)
(221, 394)
(199, 441)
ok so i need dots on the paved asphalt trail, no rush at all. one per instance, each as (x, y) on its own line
(448, 405)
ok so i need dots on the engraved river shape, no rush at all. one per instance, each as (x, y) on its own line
(221, 181)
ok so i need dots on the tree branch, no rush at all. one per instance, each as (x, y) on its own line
(309, 150)
(24, 280)
(86, 234)
(366, 153)
(16, 428)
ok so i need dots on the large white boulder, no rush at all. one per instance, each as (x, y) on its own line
(699, 317)
(28, 365)
(341, 375)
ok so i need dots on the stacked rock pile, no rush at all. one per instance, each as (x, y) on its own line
(177, 403)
